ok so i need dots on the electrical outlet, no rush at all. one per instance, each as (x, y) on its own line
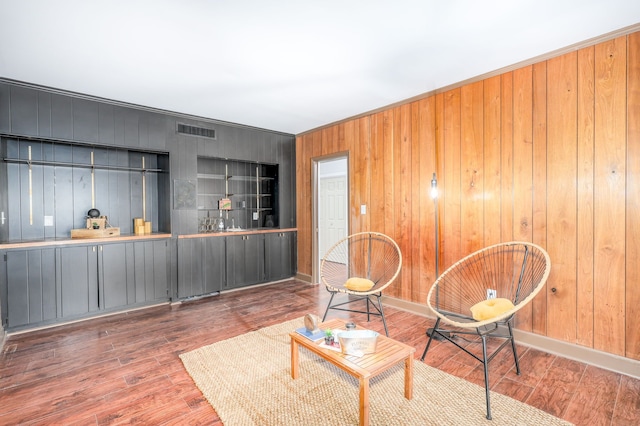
(491, 294)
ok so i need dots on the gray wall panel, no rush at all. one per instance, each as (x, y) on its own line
(85, 120)
(61, 117)
(24, 111)
(5, 108)
(106, 124)
(44, 114)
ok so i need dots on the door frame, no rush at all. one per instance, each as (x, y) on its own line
(315, 184)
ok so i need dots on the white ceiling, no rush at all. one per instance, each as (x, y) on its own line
(285, 65)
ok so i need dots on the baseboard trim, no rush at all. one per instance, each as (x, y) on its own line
(88, 318)
(611, 362)
(304, 277)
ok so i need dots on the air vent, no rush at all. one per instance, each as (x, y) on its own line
(196, 131)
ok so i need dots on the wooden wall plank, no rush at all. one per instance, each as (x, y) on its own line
(423, 137)
(377, 213)
(584, 272)
(632, 291)
(349, 145)
(417, 121)
(561, 178)
(492, 161)
(389, 164)
(403, 195)
(471, 167)
(523, 153)
(506, 157)
(609, 178)
(523, 167)
(538, 307)
(450, 182)
(364, 157)
(439, 169)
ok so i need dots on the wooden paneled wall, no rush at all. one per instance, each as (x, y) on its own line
(548, 153)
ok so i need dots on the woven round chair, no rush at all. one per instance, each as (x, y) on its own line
(480, 294)
(361, 266)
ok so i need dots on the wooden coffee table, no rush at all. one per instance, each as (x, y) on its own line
(388, 353)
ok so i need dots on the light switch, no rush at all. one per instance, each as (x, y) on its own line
(255, 215)
(48, 221)
(363, 209)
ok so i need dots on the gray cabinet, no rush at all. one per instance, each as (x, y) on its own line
(201, 266)
(151, 272)
(133, 273)
(214, 264)
(115, 274)
(31, 286)
(49, 285)
(190, 270)
(279, 255)
(77, 277)
(210, 264)
(245, 260)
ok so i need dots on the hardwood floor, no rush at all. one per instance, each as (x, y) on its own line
(125, 368)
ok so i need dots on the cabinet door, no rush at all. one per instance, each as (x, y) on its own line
(77, 280)
(190, 268)
(278, 256)
(30, 278)
(245, 260)
(214, 263)
(116, 274)
(151, 270)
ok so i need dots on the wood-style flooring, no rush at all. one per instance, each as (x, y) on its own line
(125, 369)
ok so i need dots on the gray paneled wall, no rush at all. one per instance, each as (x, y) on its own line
(30, 111)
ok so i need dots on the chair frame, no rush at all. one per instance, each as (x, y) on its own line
(372, 296)
(490, 328)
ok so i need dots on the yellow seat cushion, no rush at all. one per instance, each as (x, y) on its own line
(359, 284)
(490, 308)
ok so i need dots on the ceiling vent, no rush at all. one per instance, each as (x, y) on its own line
(202, 132)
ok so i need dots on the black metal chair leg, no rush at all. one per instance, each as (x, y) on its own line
(384, 322)
(430, 339)
(486, 374)
(513, 347)
(328, 307)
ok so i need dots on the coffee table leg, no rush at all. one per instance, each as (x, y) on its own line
(294, 359)
(408, 377)
(364, 401)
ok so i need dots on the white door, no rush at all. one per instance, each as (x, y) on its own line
(331, 207)
(332, 215)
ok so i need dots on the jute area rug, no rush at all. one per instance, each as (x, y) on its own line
(247, 380)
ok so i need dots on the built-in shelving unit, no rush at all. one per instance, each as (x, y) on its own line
(250, 187)
(52, 184)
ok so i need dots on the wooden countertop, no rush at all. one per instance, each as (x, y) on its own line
(69, 241)
(243, 232)
(120, 238)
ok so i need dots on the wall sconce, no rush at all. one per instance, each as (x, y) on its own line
(434, 196)
(434, 187)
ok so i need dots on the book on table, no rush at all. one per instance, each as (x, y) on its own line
(311, 335)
